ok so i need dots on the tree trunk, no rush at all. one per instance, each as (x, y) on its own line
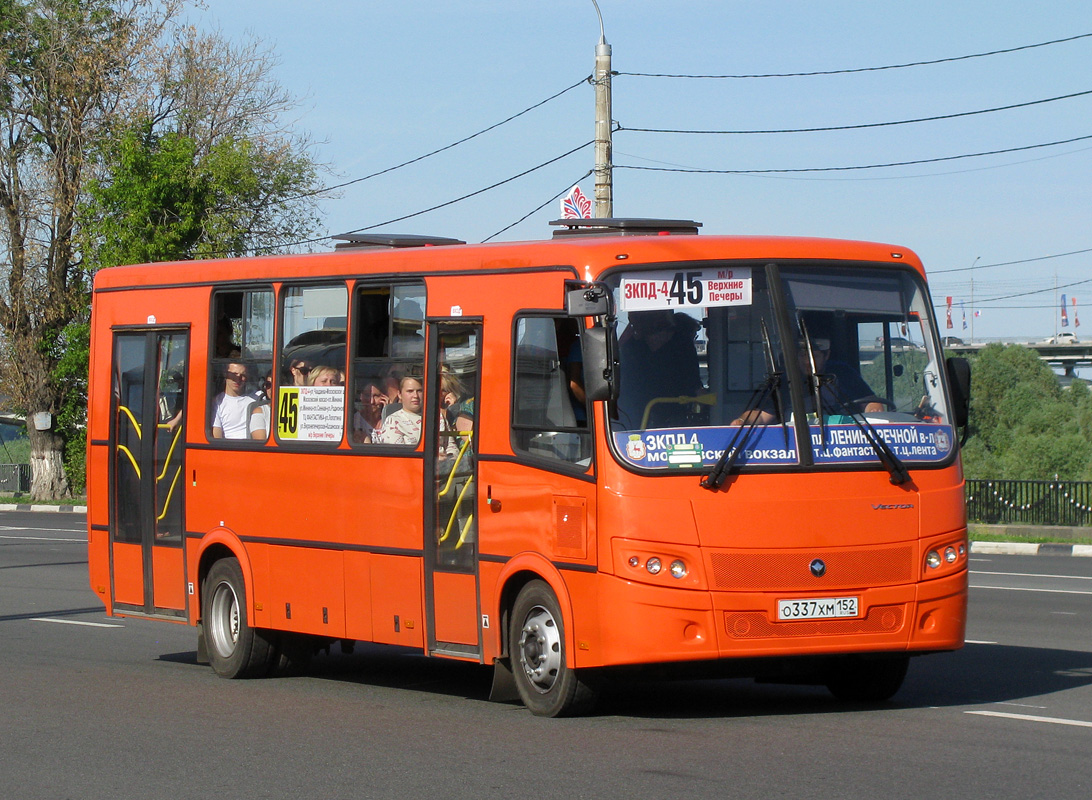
(47, 477)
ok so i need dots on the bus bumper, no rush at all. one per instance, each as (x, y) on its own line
(654, 624)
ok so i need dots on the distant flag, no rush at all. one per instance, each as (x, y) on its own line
(964, 310)
(1076, 322)
(948, 312)
(977, 313)
(1065, 318)
(575, 205)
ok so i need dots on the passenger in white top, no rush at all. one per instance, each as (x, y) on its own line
(232, 418)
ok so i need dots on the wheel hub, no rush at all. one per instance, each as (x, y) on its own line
(540, 649)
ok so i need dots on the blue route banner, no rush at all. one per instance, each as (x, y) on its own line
(677, 448)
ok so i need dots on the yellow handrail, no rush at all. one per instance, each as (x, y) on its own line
(131, 419)
(455, 512)
(170, 451)
(466, 529)
(454, 467)
(170, 494)
(709, 399)
(123, 449)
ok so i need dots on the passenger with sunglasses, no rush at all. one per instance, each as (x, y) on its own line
(231, 419)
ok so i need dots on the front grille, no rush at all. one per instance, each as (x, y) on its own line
(759, 571)
(756, 625)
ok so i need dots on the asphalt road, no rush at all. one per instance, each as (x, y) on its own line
(92, 707)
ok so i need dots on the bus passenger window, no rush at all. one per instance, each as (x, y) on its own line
(548, 418)
(310, 405)
(388, 350)
(241, 363)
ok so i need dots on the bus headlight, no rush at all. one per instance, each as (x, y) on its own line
(932, 560)
(678, 569)
(653, 566)
(950, 555)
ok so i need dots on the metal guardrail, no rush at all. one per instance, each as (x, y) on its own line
(1014, 502)
(14, 477)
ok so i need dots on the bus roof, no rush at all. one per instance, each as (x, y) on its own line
(587, 254)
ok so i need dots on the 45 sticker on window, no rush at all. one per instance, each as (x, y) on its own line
(311, 413)
(288, 413)
(674, 289)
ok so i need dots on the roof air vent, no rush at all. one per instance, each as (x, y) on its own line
(625, 226)
(380, 241)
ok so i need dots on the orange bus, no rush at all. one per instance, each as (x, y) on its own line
(628, 445)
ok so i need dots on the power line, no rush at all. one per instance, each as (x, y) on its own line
(849, 168)
(1035, 291)
(568, 186)
(474, 193)
(445, 147)
(1010, 263)
(860, 69)
(268, 248)
(861, 125)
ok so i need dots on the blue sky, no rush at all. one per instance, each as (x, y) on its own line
(382, 83)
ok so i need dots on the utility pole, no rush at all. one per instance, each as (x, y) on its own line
(604, 178)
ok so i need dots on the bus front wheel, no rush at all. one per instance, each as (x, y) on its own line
(235, 649)
(547, 686)
(867, 680)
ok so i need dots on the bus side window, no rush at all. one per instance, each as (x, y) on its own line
(388, 345)
(241, 364)
(548, 418)
(310, 403)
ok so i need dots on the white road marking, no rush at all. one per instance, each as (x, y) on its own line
(30, 528)
(1032, 575)
(1080, 723)
(43, 539)
(1026, 589)
(976, 641)
(75, 622)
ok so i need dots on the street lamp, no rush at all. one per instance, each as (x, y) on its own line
(976, 260)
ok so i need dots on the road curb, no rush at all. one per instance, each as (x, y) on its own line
(1030, 549)
(35, 507)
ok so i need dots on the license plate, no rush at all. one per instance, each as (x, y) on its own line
(817, 608)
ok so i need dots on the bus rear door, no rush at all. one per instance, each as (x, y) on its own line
(147, 475)
(451, 476)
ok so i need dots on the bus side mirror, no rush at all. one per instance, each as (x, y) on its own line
(959, 378)
(598, 347)
(591, 300)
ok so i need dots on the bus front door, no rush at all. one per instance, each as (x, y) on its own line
(451, 475)
(147, 475)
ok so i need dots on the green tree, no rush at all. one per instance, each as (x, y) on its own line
(1024, 425)
(123, 137)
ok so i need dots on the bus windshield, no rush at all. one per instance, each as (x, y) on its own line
(755, 357)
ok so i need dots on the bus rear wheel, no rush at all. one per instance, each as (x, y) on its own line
(867, 680)
(235, 649)
(547, 686)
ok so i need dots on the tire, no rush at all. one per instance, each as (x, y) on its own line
(865, 680)
(546, 685)
(235, 649)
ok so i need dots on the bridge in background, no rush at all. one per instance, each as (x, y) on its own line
(1066, 356)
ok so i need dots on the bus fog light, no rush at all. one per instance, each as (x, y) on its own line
(962, 550)
(634, 561)
(653, 565)
(933, 559)
(678, 569)
(950, 555)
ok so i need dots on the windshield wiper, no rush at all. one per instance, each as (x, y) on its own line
(898, 471)
(749, 418)
(815, 381)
